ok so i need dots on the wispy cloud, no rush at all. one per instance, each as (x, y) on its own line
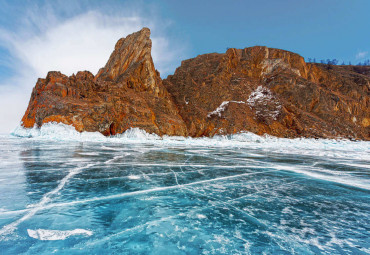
(81, 41)
(361, 54)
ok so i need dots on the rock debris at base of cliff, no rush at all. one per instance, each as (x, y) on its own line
(256, 89)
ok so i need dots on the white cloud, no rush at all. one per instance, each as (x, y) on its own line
(361, 54)
(81, 42)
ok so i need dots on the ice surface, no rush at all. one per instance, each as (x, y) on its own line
(47, 234)
(145, 194)
(8, 229)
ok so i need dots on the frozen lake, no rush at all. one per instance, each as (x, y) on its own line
(68, 193)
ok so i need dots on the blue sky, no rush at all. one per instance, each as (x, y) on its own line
(38, 36)
(316, 28)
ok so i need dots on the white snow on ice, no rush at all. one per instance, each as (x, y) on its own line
(46, 234)
(333, 148)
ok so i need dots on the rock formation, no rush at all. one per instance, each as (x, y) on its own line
(271, 91)
(257, 89)
(127, 92)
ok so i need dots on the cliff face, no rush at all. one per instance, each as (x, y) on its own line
(270, 91)
(256, 89)
(127, 92)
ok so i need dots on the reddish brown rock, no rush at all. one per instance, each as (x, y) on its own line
(257, 89)
(270, 91)
(127, 92)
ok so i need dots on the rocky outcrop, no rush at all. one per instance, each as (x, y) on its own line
(270, 91)
(127, 92)
(257, 89)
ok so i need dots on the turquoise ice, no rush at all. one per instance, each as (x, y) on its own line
(64, 192)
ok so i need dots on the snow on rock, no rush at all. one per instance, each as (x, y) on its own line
(267, 107)
(260, 94)
(222, 108)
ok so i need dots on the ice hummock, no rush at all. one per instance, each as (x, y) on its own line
(302, 146)
(63, 132)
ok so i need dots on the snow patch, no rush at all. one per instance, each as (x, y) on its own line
(201, 216)
(261, 93)
(133, 177)
(46, 234)
(222, 108)
(265, 103)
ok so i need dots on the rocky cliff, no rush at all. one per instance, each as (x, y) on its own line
(127, 92)
(257, 89)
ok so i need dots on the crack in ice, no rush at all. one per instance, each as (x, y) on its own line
(8, 229)
(158, 189)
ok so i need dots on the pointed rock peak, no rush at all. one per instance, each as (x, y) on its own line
(128, 54)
